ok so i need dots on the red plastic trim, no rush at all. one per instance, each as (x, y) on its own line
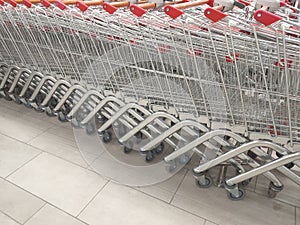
(136, 10)
(244, 2)
(172, 11)
(27, 3)
(213, 14)
(60, 5)
(109, 8)
(266, 17)
(13, 3)
(82, 6)
(1, 2)
(46, 3)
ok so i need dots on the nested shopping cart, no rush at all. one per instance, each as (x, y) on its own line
(216, 78)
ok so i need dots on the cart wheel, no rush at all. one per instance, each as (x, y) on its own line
(127, 150)
(52, 103)
(159, 149)
(107, 137)
(28, 94)
(289, 165)
(17, 100)
(6, 95)
(39, 109)
(208, 182)
(28, 105)
(49, 112)
(90, 129)
(236, 198)
(272, 193)
(149, 156)
(17, 91)
(139, 137)
(62, 117)
(39, 99)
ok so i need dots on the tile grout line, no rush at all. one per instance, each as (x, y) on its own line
(34, 195)
(10, 217)
(5, 178)
(45, 203)
(89, 202)
(186, 172)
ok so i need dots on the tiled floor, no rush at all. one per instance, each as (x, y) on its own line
(45, 181)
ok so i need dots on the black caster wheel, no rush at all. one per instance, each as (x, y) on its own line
(208, 182)
(240, 196)
(28, 94)
(90, 129)
(139, 137)
(50, 113)
(107, 137)
(149, 156)
(17, 100)
(62, 117)
(159, 149)
(127, 150)
(17, 92)
(52, 103)
(27, 105)
(39, 109)
(39, 99)
(289, 165)
(273, 190)
(6, 95)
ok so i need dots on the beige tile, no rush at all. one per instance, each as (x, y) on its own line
(14, 154)
(59, 146)
(64, 132)
(297, 216)
(213, 204)
(18, 203)
(117, 204)
(209, 223)
(289, 194)
(5, 220)
(165, 190)
(19, 126)
(61, 183)
(50, 215)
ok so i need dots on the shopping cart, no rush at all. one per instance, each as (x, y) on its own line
(162, 73)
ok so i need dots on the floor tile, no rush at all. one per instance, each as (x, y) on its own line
(5, 220)
(59, 146)
(50, 215)
(213, 204)
(18, 203)
(209, 223)
(21, 127)
(297, 216)
(165, 190)
(61, 183)
(64, 132)
(14, 154)
(117, 204)
(289, 194)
